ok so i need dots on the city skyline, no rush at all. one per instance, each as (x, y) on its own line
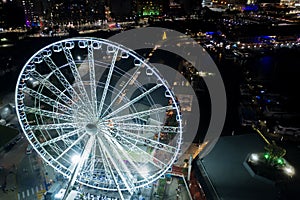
(38, 12)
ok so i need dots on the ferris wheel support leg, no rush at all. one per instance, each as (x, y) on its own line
(79, 165)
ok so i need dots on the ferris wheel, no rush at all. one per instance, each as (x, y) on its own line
(99, 114)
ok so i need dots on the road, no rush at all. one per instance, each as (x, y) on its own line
(30, 177)
(9, 161)
(28, 170)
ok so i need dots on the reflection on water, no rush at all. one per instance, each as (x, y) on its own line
(5, 42)
(279, 73)
(6, 45)
(266, 63)
(280, 70)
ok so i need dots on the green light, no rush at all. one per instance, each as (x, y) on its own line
(280, 161)
(267, 156)
(147, 12)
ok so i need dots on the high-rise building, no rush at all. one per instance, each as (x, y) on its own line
(151, 7)
(32, 11)
(1, 15)
(186, 5)
(175, 8)
(76, 11)
(266, 1)
(122, 7)
(288, 2)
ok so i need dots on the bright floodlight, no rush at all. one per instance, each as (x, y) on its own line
(289, 170)
(60, 194)
(254, 157)
(102, 101)
(144, 171)
(75, 159)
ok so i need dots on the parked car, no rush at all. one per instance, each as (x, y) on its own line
(18, 138)
(29, 149)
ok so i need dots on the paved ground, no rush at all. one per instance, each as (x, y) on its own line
(7, 98)
(9, 163)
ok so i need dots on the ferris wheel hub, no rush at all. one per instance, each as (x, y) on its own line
(91, 128)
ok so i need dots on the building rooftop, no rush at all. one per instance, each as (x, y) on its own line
(231, 180)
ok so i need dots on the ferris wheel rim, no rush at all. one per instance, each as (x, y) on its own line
(29, 132)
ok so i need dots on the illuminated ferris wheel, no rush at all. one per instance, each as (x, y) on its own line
(99, 114)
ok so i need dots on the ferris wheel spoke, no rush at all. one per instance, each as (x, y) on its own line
(108, 160)
(63, 80)
(54, 126)
(77, 77)
(147, 156)
(52, 88)
(146, 128)
(84, 155)
(121, 91)
(140, 114)
(71, 146)
(132, 102)
(111, 69)
(62, 137)
(147, 141)
(91, 167)
(92, 78)
(117, 151)
(124, 153)
(102, 156)
(47, 113)
(48, 101)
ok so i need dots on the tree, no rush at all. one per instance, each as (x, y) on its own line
(274, 154)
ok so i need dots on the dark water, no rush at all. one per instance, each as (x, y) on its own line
(280, 73)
